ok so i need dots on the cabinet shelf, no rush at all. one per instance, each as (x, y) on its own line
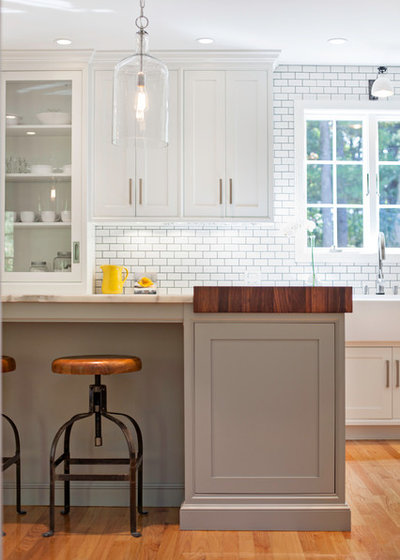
(29, 225)
(40, 129)
(31, 178)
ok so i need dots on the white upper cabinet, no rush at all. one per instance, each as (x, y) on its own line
(43, 180)
(226, 144)
(204, 143)
(130, 182)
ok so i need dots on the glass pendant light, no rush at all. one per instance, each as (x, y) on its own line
(382, 86)
(140, 104)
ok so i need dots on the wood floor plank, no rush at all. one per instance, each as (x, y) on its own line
(373, 493)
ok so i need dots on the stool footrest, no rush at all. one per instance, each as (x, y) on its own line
(100, 461)
(8, 461)
(93, 477)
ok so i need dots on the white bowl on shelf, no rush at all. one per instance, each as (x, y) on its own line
(54, 117)
(13, 120)
(41, 169)
(67, 169)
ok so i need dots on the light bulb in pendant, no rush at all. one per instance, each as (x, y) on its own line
(141, 99)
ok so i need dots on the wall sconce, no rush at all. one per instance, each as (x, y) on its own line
(381, 86)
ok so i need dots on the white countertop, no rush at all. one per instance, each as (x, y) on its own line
(98, 298)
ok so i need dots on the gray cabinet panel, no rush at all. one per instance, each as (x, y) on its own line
(264, 408)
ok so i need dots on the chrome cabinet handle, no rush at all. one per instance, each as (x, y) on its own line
(140, 190)
(220, 191)
(76, 252)
(397, 373)
(130, 191)
(367, 184)
(387, 373)
(230, 191)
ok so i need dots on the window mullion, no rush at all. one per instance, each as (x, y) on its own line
(334, 186)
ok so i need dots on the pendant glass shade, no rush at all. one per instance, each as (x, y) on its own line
(140, 104)
(382, 87)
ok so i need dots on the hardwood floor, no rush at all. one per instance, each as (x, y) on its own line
(373, 492)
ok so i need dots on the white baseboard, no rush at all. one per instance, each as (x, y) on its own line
(372, 432)
(96, 494)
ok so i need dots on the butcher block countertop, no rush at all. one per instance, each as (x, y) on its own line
(252, 299)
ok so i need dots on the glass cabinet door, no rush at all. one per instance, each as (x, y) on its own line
(41, 232)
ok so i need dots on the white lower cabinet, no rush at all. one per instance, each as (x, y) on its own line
(372, 385)
(132, 182)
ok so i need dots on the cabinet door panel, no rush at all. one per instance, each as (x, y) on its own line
(264, 408)
(396, 382)
(157, 169)
(113, 170)
(368, 383)
(204, 138)
(247, 143)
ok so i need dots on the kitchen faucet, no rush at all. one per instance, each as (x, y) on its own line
(380, 286)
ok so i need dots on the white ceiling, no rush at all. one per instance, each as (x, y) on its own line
(300, 29)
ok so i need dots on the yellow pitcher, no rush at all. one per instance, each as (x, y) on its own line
(113, 283)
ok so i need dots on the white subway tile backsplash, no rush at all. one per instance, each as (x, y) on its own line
(187, 254)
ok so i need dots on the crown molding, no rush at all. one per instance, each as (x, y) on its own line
(78, 59)
(198, 59)
(45, 59)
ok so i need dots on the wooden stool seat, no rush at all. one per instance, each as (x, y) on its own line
(96, 365)
(7, 364)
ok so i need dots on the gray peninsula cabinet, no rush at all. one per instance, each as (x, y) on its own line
(264, 418)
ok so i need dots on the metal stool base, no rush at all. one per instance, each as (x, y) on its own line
(98, 408)
(15, 460)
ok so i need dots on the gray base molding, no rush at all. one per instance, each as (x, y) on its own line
(252, 518)
(96, 494)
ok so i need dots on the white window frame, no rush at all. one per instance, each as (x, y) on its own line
(370, 113)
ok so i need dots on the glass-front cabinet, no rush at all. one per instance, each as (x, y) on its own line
(41, 178)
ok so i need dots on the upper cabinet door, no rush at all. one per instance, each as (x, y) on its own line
(113, 171)
(204, 143)
(246, 143)
(157, 185)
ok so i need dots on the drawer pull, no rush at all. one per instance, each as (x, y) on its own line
(387, 373)
(130, 191)
(397, 373)
(220, 191)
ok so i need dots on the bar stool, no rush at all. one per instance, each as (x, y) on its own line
(97, 366)
(8, 364)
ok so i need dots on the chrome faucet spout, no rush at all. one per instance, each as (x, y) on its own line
(380, 285)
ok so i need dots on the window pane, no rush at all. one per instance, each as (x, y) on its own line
(319, 184)
(349, 184)
(323, 219)
(389, 177)
(389, 141)
(350, 227)
(319, 139)
(349, 140)
(389, 223)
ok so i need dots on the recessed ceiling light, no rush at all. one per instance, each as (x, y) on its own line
(63, 42)
(337, 40)
(102, 11)
(205, 40)
(30, 133)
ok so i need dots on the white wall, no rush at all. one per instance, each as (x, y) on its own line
(206, 254)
